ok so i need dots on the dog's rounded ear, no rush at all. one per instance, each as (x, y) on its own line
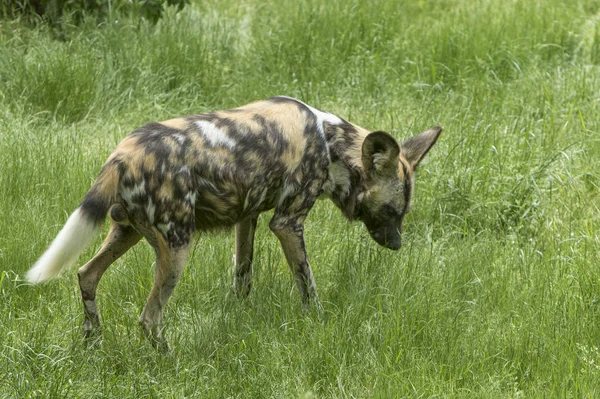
(415, 148)
(380, 153)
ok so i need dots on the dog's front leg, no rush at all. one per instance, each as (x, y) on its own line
(291, 235)
(244, 249)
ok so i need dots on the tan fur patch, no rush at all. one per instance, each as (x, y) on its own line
(287, 117)
(197, 141)
(177, 123)
(355, 151)
(109, 181)
(173, 145)
(409, 169)
(149, 162)
(110, 177)
(291, 122)
(127, 146)
(241, 116)
(166, 189)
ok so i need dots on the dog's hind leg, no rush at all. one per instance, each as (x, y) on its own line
(119, 240)
(244, 249)
(170, 262)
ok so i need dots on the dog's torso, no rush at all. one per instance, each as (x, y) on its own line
(212, 170)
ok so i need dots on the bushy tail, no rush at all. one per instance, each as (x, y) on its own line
(66, 247)
(80, 229)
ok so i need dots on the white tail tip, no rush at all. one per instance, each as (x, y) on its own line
(70, 242)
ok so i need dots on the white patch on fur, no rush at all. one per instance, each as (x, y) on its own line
(321, 116)
(180, 138)
(138, 189)
(70, 242)
(150, 211)
(165, 227)
(190, 197)
(185, 170)
(214, 135)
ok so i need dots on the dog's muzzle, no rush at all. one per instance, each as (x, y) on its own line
(387, 236)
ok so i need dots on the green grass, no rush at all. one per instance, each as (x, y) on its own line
(496, 291)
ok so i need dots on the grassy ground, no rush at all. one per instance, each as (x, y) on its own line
(496, 292)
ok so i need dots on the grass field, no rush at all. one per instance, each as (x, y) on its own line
(496, 291)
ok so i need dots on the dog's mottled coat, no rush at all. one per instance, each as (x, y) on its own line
(203, 172)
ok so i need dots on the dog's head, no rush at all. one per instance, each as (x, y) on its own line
(389, 169)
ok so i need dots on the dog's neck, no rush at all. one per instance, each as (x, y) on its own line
(345, 182)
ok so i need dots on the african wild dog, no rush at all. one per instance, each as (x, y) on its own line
(201, 172)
